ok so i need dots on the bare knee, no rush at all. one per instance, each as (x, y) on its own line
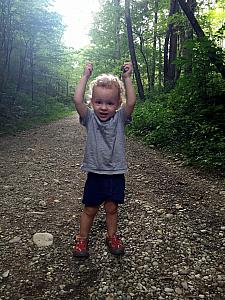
(90, 211)
(111, 208)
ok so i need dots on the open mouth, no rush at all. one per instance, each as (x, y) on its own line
(103, 115)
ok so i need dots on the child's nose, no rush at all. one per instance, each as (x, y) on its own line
(104, 106)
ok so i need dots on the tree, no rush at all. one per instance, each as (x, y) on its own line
(7, 38)
(156, 6)
(132, 49)
(117, 29)
(214, 57)
(30, 56)
(186, 34)
(170, 47)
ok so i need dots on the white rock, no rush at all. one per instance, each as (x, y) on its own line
(184, 285)
(27, 199)
(184, 271)
(178, 291)
(16, 239)
(155, 263)
(43, 239)
(7, 187)
(169, 216)
(42, 203)
(168, 290)
(36, 212)
(5, 274)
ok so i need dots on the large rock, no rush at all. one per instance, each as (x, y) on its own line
(43, 239)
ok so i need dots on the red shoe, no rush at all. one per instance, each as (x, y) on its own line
(81, 247)
(115, 245)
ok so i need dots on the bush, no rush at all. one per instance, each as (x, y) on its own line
(185, 121)
(23, 113)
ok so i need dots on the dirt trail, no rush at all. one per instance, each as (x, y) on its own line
(173, 223)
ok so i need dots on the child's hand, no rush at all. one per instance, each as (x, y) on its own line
(88, 70)
(127, 69)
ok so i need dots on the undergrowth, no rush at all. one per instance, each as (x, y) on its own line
(27, 115)
(186, 121)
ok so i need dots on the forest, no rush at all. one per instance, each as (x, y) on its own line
(177, 51)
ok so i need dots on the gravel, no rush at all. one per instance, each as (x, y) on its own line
(172, 223)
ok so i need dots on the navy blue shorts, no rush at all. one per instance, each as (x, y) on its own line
(101, 187)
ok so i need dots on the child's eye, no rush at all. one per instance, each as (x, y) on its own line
(110, 103)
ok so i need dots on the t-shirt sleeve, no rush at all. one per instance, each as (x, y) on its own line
(84, 120)
(126, 120)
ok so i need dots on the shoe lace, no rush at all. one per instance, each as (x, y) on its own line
(81, 245)
(115, 242)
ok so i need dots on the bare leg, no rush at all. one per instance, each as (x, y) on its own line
(86, 220)
(111, 209)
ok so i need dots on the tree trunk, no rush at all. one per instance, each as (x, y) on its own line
(172, 56)
(194, 23)
(132, 50)
(23, 57)
(117, 29)
(6, 43)
(154, 45)
(187, 34)
(32, 71)
(170, 48)
(160, 67)
(145, 60)
(212, 52)
(166, 61)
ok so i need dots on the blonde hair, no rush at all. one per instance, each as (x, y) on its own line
(109, 81)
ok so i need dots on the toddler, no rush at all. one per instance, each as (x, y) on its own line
(104, 157)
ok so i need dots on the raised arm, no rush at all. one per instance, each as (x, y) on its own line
(80, 91)
(130, 92)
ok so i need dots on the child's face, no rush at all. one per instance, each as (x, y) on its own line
(105, 102)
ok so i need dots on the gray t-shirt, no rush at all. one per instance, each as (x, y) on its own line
(105, 144)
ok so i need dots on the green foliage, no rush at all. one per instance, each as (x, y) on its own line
(190, 118)
(36, 74)
(27, 114)
(103, 35)
(35, 67)
(181, 124)
(38, 120)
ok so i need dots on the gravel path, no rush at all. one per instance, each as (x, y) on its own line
(173, 224)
